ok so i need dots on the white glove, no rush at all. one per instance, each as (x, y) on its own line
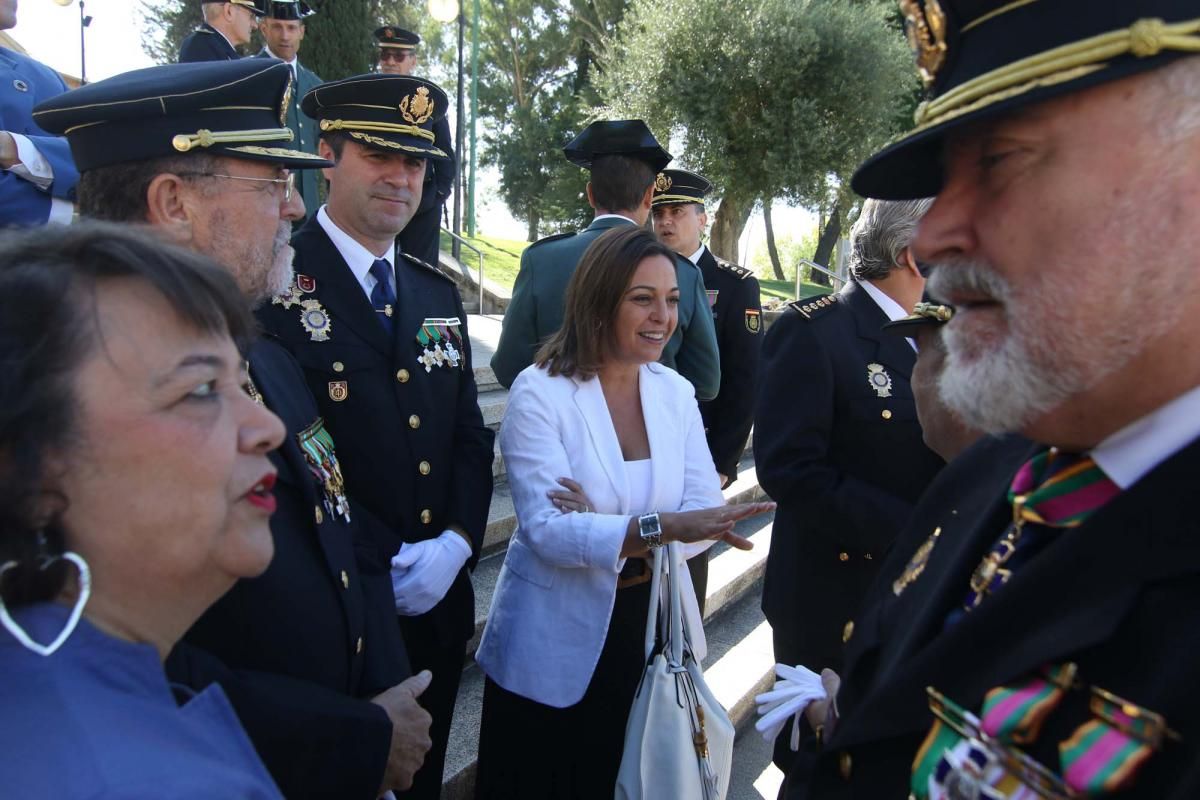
(794, 690)
(422, 572)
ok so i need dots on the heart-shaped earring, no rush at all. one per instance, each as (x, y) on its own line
(85, 591)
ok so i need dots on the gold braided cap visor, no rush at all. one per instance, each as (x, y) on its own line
(376, 127)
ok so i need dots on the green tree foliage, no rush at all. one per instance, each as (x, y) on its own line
(769, 98)
(537, 62)
(165, 24)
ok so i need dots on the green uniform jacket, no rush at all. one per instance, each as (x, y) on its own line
(304, 131)
(536, 311)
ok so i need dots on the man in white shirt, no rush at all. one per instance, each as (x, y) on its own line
(1033, 632)
(837, 443)
(37, 173)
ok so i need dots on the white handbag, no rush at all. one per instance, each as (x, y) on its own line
(679, 740)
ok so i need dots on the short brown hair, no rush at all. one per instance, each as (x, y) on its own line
(593, 298)
(620, 182)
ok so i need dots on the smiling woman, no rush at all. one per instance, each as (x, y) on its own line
(606, 460)
(137, 490)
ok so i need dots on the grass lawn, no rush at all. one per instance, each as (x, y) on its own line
(501, 257)
(787, 289)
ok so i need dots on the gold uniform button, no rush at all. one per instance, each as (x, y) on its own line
(414, 422)
(887, 414)
(359, 645)
(402, 376)
(847, 631)
(339, 366)
(843, 556)
(845, 765)
(426, 516)
(345, 580)
(423, 467)
(318, 515)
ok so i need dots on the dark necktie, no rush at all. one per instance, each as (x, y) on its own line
(383, 297)
(1051, 491)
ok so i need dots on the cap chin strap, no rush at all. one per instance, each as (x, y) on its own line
(85, 592)
(378, 127)
(184, 142)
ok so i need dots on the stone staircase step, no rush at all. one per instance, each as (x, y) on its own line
(492, 404)
(739, 666)
(754, 776)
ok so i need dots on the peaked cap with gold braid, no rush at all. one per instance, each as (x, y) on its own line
(672, 186)
(983, 58)
(392, 113)
(228, 108)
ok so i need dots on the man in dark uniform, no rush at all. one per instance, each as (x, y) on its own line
(1033, 626)
(282, 29)
(679, 220)
(421, 237)
(623, 158)
(227, 24)
(383, 341)
(307, 651)
(837, 443)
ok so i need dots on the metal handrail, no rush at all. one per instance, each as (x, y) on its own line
(818, 268)
(478, 253)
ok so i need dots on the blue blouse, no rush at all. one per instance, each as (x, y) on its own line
(97, 719)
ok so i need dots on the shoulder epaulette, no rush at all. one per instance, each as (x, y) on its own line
(741, 272)
(418, 262)
(552, 237)
(813, 307)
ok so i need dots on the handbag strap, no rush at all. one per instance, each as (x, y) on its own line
(668, 562)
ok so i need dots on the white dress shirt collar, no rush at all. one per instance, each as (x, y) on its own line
(358, 258)
(695, 257)
(1127, 455)
(886, 304)
(599, 217)
(291, 63)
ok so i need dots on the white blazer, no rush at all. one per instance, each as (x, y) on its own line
(555, 593)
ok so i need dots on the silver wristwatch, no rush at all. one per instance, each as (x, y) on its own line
(651, 530)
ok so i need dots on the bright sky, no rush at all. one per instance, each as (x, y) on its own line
(50, 33)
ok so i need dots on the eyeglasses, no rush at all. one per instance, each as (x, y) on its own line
(288, 183)
(394, 54)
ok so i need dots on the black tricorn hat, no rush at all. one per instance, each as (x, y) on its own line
(395, 36)
(624, 137)
(228, 108)
(288, 9)
(983, 58)
(679, 186)
(393, 113)
(928, 312)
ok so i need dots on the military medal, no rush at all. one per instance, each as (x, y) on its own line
(916, 564)
(306, 284)
(315, 320)
(712, 297)
(338, 391)
(317, 446)
(879, 379)
(436, 337)
(753, 320)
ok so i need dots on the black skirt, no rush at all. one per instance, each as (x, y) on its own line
(532, 751)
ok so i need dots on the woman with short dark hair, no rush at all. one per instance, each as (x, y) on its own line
(135, 490)
(602, 444)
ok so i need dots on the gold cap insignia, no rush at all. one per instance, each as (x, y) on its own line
(417, 108)
(286, 101)
(662, 183)
(925, 26)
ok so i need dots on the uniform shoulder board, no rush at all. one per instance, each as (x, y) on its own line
(552, 238)
(740, 272)
(418, 262)
(813, 307)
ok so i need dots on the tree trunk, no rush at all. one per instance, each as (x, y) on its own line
(771, 250)
(727, 226)
(535, 219)
(826, 242)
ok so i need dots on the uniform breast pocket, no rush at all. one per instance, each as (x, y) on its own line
(525, 564)
(337, 372)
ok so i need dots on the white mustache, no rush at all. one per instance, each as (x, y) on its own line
(963, 276)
